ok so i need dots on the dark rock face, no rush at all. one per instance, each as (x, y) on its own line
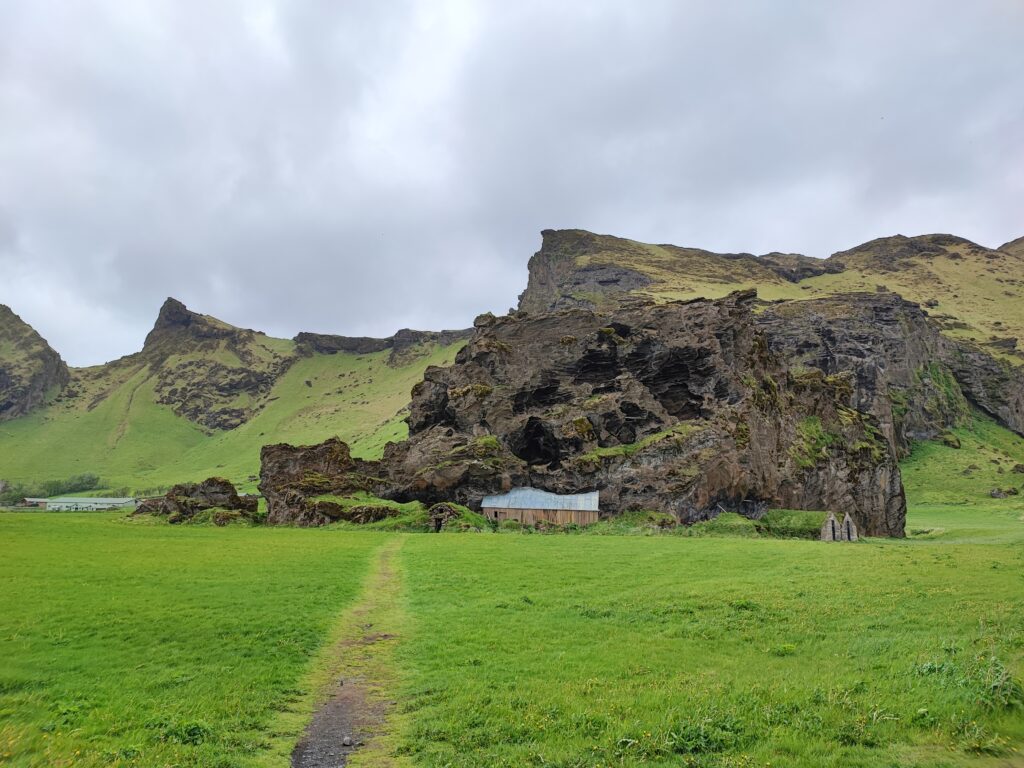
(292, 477)
(557, 282)
(326, 344)
(993, 385)
(30, 371)
(681, 408)
(794, 267)
(185, 501)
(916, 382)
(890, 254)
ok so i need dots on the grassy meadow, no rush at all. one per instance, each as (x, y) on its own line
(610, 651)
(128, 644)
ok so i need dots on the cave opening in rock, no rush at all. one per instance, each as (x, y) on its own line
(535, 443)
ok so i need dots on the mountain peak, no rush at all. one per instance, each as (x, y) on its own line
(174, 314)
(176, 323)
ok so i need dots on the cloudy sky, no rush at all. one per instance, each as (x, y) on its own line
(357, 167)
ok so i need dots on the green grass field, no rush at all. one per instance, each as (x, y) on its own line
(130, 644)
(125, 644)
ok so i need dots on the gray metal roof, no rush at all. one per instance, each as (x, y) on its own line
(534, 498)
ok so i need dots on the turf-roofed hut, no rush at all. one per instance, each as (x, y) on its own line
(532, 505)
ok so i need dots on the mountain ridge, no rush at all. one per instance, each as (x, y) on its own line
(975, 293)
(203, 396)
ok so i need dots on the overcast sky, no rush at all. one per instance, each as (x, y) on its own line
(357, 167)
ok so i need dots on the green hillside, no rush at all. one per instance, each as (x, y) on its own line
(133, 441)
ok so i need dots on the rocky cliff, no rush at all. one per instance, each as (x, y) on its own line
(914, 380)
(974, 293)
(681, 407)
(30, 371)
(295, 478)
(576, 268)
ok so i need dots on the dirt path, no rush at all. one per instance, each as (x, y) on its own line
(352, 718)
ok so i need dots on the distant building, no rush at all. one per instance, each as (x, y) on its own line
(532, 505)
(80, 504)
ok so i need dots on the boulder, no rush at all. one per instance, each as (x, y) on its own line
(294, 477)
(186, 500)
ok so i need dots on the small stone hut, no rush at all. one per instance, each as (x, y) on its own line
(532, 505)
(833, 530)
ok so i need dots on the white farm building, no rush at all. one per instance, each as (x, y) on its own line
(80, 503)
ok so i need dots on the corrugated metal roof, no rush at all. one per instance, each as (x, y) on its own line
(535, 498)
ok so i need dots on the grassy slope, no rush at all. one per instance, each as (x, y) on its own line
(132, 441)
(131, 645)
(949, 489)
(973, 290)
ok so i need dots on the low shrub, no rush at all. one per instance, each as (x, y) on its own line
(791, 524)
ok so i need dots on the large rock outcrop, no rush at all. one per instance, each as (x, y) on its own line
(680, 407)
(30, 370)
(576, 268)
(186, 500)
(915, 381)
(298, 481)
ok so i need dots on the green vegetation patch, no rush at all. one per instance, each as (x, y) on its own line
(791, 524)
(725, 524)
(679, 431)
(812, 443)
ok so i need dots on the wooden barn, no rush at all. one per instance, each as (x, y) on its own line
(531, 505)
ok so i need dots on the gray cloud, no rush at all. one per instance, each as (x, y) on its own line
(359, 167)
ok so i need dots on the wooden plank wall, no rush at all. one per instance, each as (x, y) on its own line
(532, 516)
